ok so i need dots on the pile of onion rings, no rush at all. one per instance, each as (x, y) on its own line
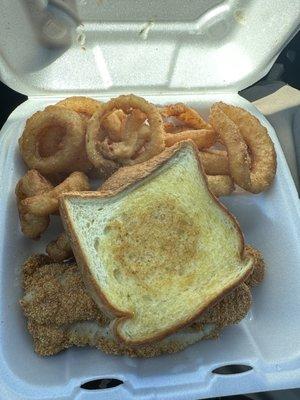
(251, 153)
(128, 130)
(248, 157)
(80, 138)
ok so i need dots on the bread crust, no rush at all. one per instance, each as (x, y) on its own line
(125, 178)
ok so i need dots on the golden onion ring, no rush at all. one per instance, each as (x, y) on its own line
(203, 138)
(72, 130)
(239, 163)
(188, 116)
(260, 146)
(107, 155)
(191, 126)
(85, 106)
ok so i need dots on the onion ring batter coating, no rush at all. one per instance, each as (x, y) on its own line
(220, 185)
(70, 146)
(114, 124)
(129, 142)
(51, 141)
(47, 203)
(215, 162)
(31, 184)
(188, 116)
(260, 145)
(239, 164)
(203, 138)
(60, 248)
(85, 106)
(192, 126)
(100, 147)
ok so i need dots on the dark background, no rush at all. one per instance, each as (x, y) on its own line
(286, 69)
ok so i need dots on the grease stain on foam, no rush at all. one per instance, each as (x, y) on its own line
(144, 32)
(239, 16)
(54, 29)
(81, 37)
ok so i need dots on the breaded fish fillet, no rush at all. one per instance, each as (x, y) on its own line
(61, 314)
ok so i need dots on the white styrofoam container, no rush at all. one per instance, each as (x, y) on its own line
(198, 54)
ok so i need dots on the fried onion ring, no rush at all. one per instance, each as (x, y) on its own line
(51, 141)
(188, 116)
(220, 185)
(134, 135)
(114, 124)
(191, 126)
(60, 249)
(260, 147)
(136, 143)
(203, 138)
(238, 158)
(68, 154)
(85, 106)
(47, 203)
(31, 184)
(214, 162)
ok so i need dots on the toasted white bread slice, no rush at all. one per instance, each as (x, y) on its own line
(157, 253)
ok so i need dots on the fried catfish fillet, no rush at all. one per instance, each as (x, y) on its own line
(61, 314)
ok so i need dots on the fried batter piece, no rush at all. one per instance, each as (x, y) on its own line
(60, 249)
(55, 293)
(231, 310)
(32, 184)
(61, 314)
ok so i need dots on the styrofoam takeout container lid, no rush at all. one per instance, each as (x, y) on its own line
(198, 52)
